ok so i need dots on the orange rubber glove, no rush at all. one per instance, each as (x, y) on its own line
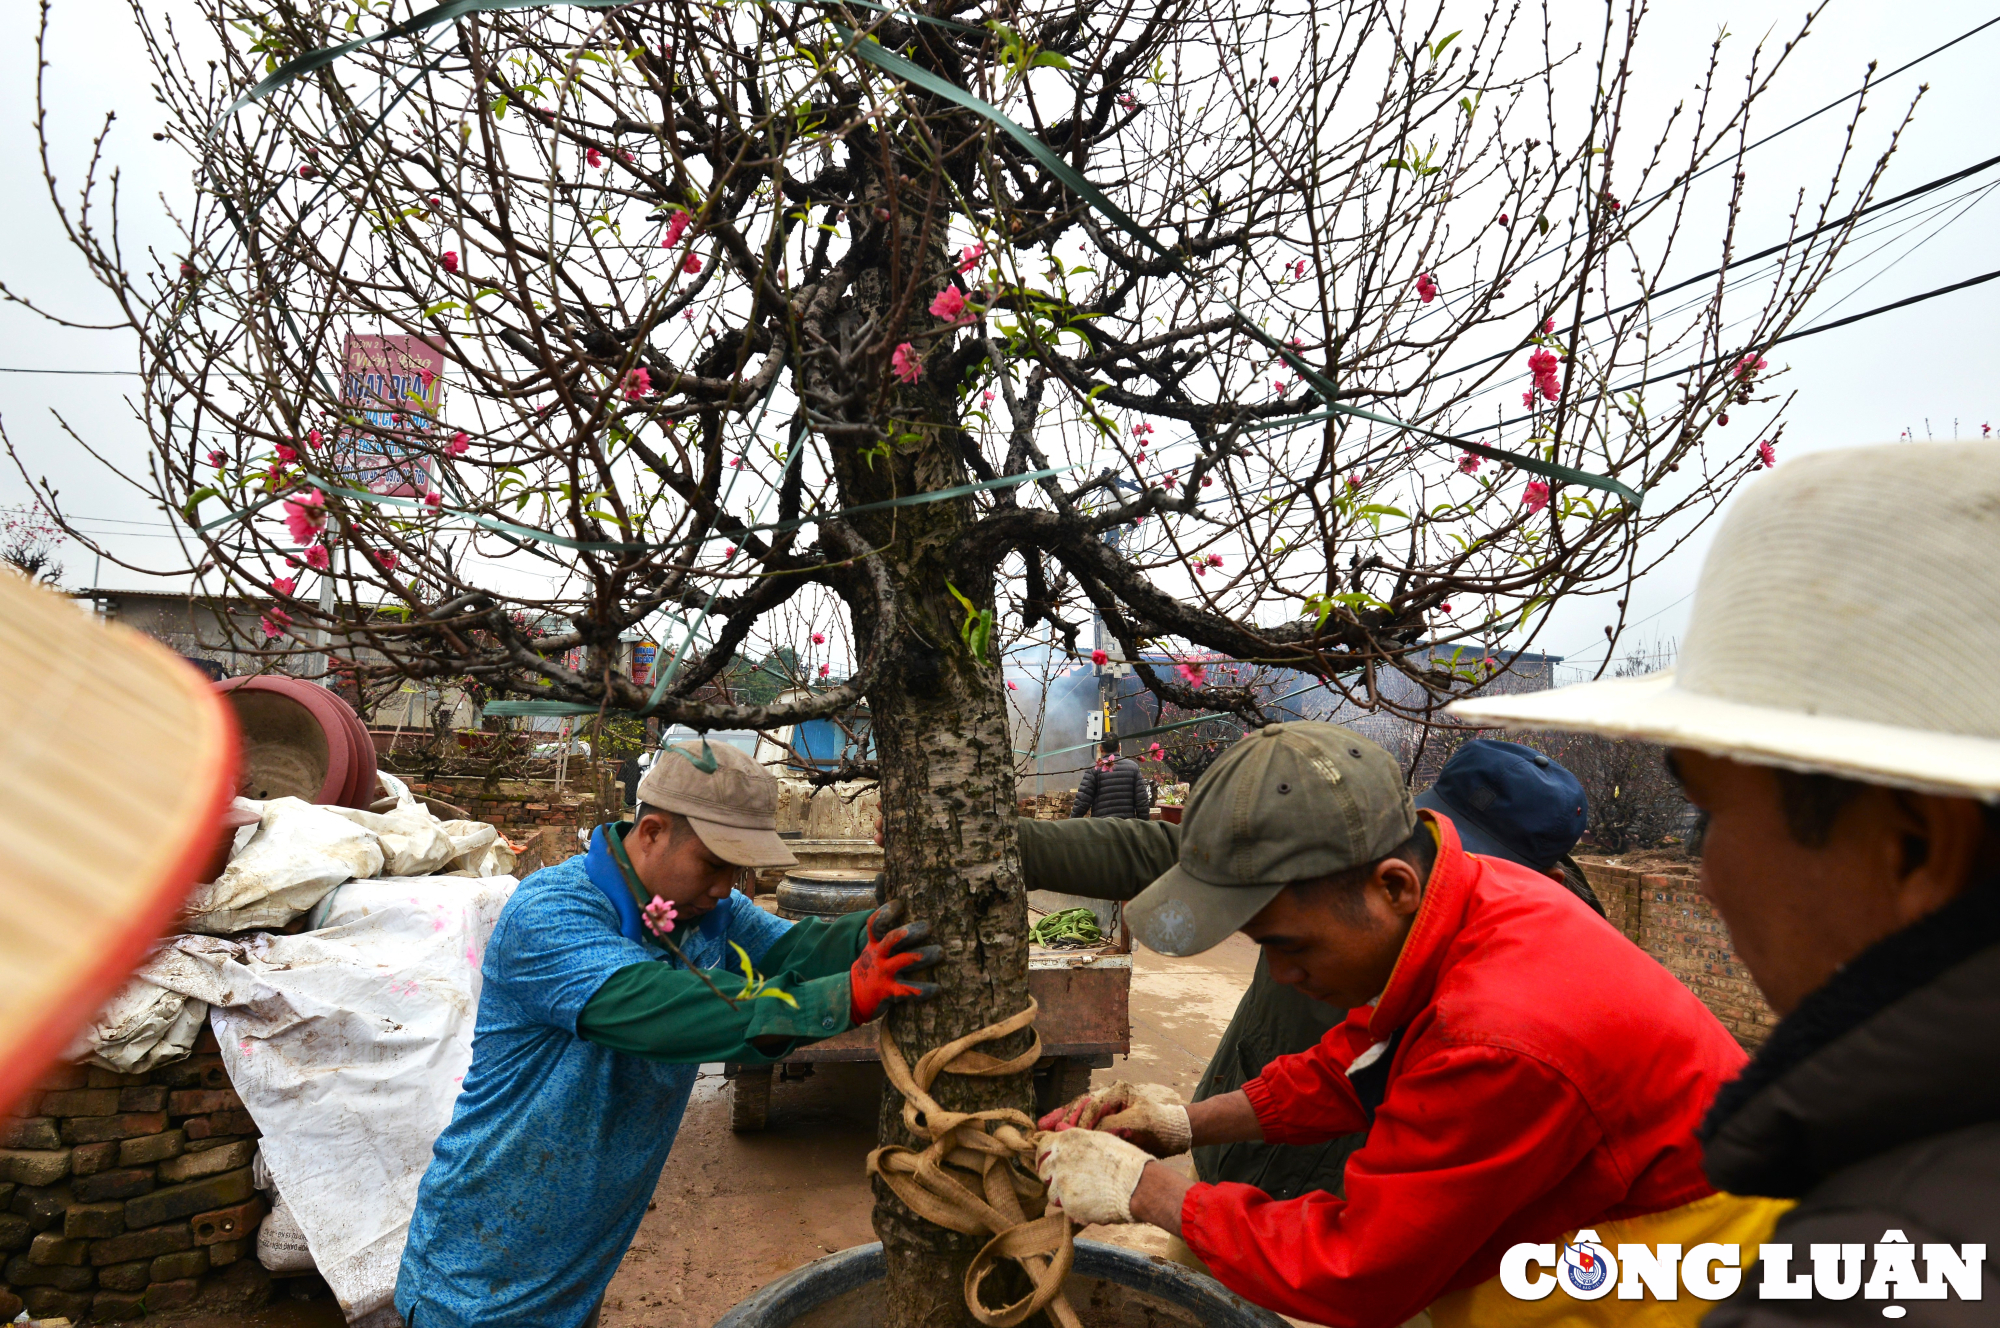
(892, 951)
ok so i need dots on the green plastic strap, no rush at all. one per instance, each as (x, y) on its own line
(888, 61)
(606, 546)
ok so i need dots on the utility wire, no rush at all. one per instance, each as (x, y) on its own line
(1855, 215)
(1779, 341)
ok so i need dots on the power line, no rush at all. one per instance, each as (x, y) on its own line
(1761, 254)
(1779, 341)
(1871, 83)
(121, 373)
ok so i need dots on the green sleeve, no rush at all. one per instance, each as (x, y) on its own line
(818, 947)
(1112, 858)
(668, 1014)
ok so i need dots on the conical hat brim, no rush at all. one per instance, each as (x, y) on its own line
(1655, 709)
(118, 760)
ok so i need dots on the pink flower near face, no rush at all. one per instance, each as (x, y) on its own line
(1468, 464)
(304, 517)
(1767, 455)
(1099, 657)
(215, 459)
(317, 558)
(968, 257)
(905, 364)
(459, 444)
(659, 916)
(284, 585)
(819, 638)
(448, 260)
(676, 227)
(691, 265)
(950, 306)
(1536, 496)
(1426, 288)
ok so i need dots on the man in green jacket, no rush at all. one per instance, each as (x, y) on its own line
(608, 979)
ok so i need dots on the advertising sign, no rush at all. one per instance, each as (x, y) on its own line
(393, 385)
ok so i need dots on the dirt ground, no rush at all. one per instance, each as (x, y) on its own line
(736, 1211)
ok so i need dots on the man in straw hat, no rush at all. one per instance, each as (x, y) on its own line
(607, 980)
(1522, 1070)
(1834, 714)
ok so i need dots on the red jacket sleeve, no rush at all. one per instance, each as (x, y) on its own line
(1306, 1098)
(1466, 1138)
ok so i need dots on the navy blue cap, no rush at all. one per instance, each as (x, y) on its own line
(1509, 801)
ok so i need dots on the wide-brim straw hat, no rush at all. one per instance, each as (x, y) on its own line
(118, 762)
(1846, 622)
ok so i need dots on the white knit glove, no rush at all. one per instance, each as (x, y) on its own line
(1090, 1175)
(1149, 1115)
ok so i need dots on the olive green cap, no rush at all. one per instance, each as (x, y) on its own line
(1292, 802)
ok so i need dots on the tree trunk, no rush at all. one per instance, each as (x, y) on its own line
(948, 800)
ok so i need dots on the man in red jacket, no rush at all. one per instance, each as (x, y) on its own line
(1523, 1071)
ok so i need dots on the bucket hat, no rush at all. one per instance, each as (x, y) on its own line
(1846, 622)
(729, 799)
(1509, 801)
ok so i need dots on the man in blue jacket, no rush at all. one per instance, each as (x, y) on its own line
(608, 979)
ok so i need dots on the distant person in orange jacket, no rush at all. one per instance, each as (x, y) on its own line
(1523, 1071)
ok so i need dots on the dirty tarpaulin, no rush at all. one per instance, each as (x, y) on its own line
(347, 1045)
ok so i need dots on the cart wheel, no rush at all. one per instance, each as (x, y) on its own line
(1066, 1079)
(749, 1097)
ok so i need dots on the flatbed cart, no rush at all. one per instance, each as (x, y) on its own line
(1085, 996)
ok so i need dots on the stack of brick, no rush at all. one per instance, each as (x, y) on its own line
(1664, 912)
(517, 808)
(122, 1194)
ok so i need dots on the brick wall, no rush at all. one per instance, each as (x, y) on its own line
(123, 1194)
(1667, 916)
(517, 808)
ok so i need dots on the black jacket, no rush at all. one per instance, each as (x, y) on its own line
(1876, 1104)
(1120, 791)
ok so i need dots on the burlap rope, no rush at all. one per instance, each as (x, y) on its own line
(978, 1175)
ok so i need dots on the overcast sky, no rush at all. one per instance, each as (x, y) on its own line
(1928, 369)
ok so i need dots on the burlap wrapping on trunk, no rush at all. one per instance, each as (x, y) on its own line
(978, 1174)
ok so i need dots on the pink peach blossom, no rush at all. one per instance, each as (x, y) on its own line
(825, 669)
(1426, 288)
(676, 227)
(1011, 686)
(638, 385)
(905, 364)
(459, 444)
(1536, 496)
(448, 260)
(215, 459)
(593, 158)
(968, 257)
(1469, 463)
(1099, 657)
(691, 265)
(433, 499)
(272, 623)
(659, 916)
(1767, 455)
(313, 438)
(286, 453)
(317, 557)
(304, 517)
(950, 306)
(284, 585)
(819, 638)
(729, 550)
